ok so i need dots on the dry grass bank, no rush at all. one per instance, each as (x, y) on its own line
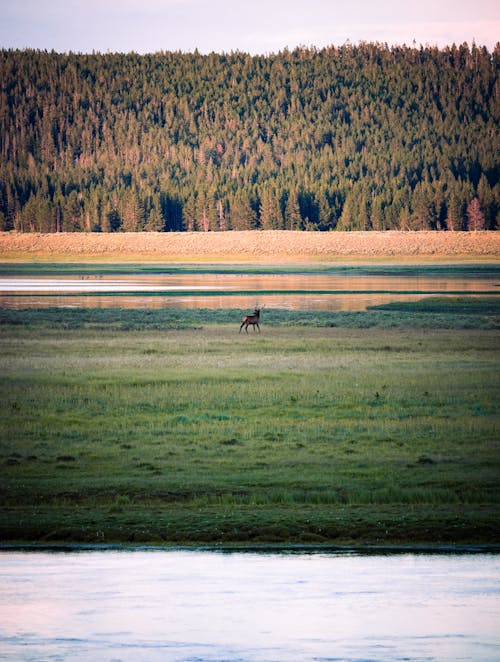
(265, 246)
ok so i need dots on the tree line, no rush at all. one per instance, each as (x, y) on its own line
(356, 137)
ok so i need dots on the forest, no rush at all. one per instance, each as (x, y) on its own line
(356, 137)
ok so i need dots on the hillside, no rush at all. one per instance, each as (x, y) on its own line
(265, 246)
(352, 138)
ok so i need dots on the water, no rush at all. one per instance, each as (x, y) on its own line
(248, 607)
(293, 291)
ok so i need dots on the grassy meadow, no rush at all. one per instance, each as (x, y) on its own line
(170, 427)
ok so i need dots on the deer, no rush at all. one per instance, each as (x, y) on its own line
(251, 319)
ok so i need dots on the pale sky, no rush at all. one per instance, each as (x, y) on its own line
(253, 26)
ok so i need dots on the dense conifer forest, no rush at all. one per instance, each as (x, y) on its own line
(356, 137)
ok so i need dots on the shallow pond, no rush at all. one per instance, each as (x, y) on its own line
(292, 291)
(248, 607)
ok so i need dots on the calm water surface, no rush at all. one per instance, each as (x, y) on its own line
(248, 607)
(333, 291)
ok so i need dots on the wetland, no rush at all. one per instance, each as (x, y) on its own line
(167, 426)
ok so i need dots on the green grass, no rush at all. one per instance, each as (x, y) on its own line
(165, 433)
(458, 270)
(430, 313)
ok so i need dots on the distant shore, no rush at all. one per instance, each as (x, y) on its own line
(250, 246)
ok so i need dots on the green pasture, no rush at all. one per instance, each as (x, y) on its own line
(171, 427)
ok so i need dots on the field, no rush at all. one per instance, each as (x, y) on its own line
(256, 246)
(161, 427)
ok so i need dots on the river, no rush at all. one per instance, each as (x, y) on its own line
(293, 291)
(189, 606)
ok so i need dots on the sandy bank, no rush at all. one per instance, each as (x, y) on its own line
(265, 246)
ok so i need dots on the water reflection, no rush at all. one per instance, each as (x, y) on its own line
(333, 291)
(329, 302)
(249, 607)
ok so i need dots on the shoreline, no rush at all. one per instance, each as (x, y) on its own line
(258, 246)
(264, 548)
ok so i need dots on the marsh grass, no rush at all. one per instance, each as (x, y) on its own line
(449, 270)
(320, 434)
(430, 313)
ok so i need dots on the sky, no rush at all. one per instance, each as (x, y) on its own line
(253, 26)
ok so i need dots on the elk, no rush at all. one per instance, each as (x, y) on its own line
(251, 319)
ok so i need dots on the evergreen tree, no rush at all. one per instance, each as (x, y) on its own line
(73, 213)
(155, 222)
(475, 216)
(221, 214)
(206, 213)
(424, 212)
(486, 202)
(377, 215)
(357, 137)
(293, 219)
(270, 211)
(347, 220)
(189, 221)
(45, 216)
(455, 219)
(243, 216)
(132, 212)
(326, 217)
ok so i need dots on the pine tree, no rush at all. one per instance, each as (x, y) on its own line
(155, 222)
(326, 219)
(221, 214)
(293, 219)
(45, 216)
(475, 216)
(189, 221)
(206, 213)
(455, 218)
(73, 213)
(132, 212)
(243, 216)
(317, 125)
(270, 211)
(347, 220)
(377, 215)
(487, 202)
(364, 213)
(30, 214)
(106, 219)
(424, 212)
